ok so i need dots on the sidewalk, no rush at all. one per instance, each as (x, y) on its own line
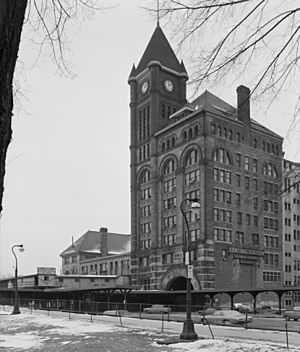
(55, 333)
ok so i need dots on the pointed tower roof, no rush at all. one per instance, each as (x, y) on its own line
(160, 50)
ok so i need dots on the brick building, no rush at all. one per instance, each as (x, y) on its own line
(291, 229)
(207, 149)
(98, 253)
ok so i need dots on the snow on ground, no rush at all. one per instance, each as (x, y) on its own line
(230, 345)
(28, 331)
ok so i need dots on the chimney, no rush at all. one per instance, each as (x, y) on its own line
(103, 241)
(243, 104)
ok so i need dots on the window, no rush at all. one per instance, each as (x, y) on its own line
(192, 158)
(255, 239)
(255, 220)
(247, 163)
(238, 159)
(145, 177)
(248, 219)
(272, 276)
(222, 235)
(239, 218)
(167, 258)
(169, 167)
(239, 237)
(247, 182)
(269, 170)
(238, 137)
(255, 165)
(255, 184)
(222, 156)
(238, 199)
(238, 180)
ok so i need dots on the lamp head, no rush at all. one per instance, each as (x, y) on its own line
(21, 248)
(195, 203)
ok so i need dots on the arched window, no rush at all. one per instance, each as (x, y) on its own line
(222, 156)
(219, 131)
(264, 146)
(238, 136)
(213, 128)
(277, 150)
(190, 133)
(268, 148)
(169, 111)
(163, 146)
(173, 141)
(196, 130)
(145, 176)
(191, 158)
(169, 167)
(230, 134)
(67, 272)
(254, 143)
(273, 149)
(225, 132)
(184, 135)
(168, 144)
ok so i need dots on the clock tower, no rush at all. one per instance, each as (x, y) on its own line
(157, 90)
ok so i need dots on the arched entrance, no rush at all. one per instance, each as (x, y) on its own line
(175, 279)
(177, 284)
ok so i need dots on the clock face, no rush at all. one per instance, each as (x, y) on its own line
(168, 85)
(144, 87)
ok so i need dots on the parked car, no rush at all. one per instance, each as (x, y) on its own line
(267, 310)
(245, 308)
(292, 314)
(226, 316)
(157, 308)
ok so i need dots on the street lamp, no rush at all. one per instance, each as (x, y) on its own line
(188, 332)
(16, 303)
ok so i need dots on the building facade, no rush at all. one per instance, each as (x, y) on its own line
(98, 253)
(204, 149)
(291, 229)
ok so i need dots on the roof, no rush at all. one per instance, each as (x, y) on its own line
(210, 102)
(90, 243)
(159, 49)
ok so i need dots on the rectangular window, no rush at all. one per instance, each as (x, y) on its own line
(255, 184)
(238, 180)
(239, 219)
(255, 165)
(238, 159)
(247, 182)
(247, 163)
(255, 239)
(248, 219)
(239, 237)
(238, 199)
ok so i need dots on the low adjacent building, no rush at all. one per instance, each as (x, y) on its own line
(98, 253)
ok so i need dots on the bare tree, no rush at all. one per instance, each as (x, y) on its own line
(232, 38)
(48, 20)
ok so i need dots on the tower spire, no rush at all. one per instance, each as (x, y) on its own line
(157, 13)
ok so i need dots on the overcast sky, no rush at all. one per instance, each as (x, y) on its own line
(68, 162)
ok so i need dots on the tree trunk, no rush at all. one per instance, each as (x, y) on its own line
(11, 22)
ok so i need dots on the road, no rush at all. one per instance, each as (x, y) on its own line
(274, 322)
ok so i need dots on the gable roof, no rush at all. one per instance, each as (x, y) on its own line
(90, 242)
(159, 49)
(210, 102)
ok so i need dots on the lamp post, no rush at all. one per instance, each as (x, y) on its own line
(16, 302)
(188, 332)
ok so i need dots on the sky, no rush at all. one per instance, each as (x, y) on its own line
(68, 162)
